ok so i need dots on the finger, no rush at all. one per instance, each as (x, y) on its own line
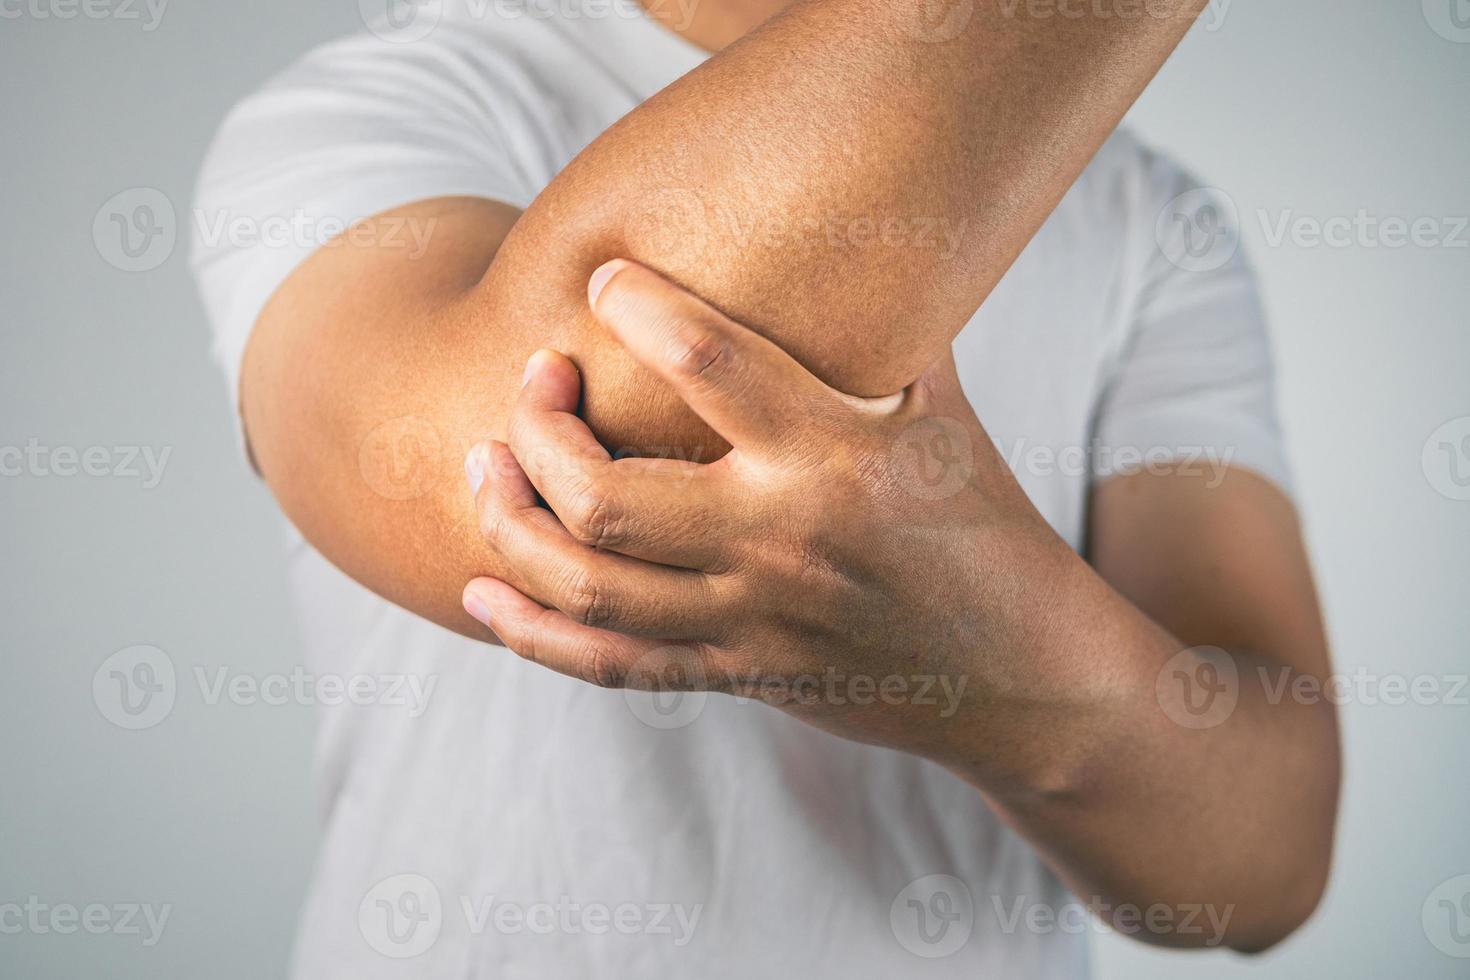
(548, 637)
(668, 511)
(601, 589)
(745, 387)
(550, 392)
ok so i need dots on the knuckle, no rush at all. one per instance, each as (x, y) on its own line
(699, 354)
(529, 642)
(600, 667)
(492, 522)
(515, 428)
(586, 600)
(593, 517)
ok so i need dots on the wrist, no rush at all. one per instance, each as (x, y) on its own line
(1076, 675)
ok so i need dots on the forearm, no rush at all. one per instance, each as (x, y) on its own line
(835, 182)
(1151, 789)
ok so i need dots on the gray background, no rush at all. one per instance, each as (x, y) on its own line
(1310, 109)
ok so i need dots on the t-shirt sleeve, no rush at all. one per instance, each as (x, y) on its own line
(1194, 384)
(355, 128)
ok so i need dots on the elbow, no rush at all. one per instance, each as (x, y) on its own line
(1288, 911)
(1287, 898)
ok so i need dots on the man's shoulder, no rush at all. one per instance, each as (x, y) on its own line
(1110, 218)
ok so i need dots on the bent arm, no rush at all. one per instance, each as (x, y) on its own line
(1207, 791)
(840, 180)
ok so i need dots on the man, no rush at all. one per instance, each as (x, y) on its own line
(753, 279)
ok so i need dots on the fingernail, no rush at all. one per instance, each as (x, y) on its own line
(530, 367)
(474, 469)
(476, 607)
(600, 277)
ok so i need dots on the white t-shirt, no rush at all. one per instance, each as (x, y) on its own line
(527, 825)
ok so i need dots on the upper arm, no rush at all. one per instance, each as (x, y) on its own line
(343, 219)
(1192, 519)
(361, 319)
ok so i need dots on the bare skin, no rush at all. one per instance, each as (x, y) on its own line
(983, 132)
(985, 129)
(815, 548)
